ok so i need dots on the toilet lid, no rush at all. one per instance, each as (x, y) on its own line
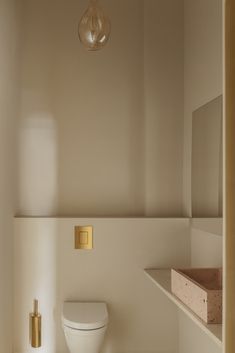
(85, 316)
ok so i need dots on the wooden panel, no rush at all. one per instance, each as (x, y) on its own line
(229, 249)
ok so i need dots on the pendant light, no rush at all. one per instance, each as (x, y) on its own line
(94, 27)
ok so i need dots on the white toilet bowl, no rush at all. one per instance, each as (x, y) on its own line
(84, 326)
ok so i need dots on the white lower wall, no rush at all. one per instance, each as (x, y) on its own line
(193, 340)
(48, 268)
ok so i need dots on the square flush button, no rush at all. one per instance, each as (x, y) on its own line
(83, 237)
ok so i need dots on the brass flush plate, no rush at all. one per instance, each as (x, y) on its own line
(83, 237)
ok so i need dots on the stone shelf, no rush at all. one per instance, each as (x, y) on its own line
(162, 279)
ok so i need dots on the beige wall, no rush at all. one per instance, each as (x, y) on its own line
(47, 267)
(202, 83)
(207, 160)
(164, 55)
(9, 29)
(202, 71)
(102, 133)
(206, 242)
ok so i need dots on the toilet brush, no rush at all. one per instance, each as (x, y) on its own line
(35, 326)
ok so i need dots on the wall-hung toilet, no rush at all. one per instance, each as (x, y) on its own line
(84, 326)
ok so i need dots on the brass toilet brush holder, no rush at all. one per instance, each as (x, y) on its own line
(35, 326)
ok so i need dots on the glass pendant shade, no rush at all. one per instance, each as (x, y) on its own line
(94, 27)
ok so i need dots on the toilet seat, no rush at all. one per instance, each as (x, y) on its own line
(84, 316)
